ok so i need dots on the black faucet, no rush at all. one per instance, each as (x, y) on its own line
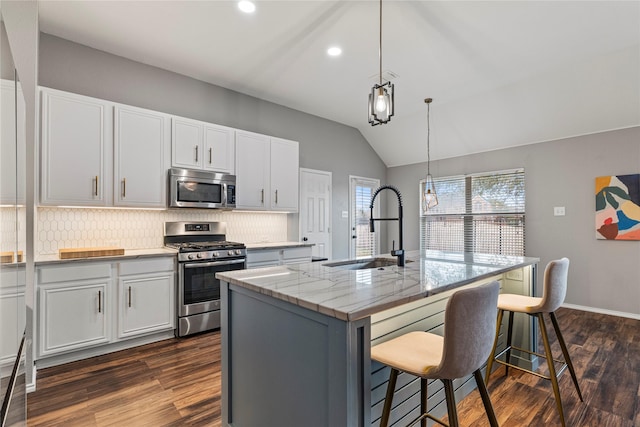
(396, 253)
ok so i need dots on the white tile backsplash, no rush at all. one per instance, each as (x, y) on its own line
(142, 229)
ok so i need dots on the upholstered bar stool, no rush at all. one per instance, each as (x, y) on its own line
(553, 294)
(469, 325)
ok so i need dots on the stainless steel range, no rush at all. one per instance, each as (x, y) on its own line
(202, 252)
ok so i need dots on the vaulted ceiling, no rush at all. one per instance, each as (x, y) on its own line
(501, 73)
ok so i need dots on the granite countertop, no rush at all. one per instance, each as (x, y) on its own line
(128, 254)
(276, 245)
(354, 294)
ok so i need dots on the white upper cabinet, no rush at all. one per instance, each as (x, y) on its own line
(267, 172)
(76, 146)
(284, 175)
(219, 148)
(13, 144)
(252, 171)
(186, 143)
(200, 145)
(141, 160)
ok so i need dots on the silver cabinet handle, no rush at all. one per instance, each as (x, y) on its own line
(276, 197)
(99, 301)
(96, 189)
(129, 296)
(262, 196)
(124, 187)
(196, 154)
(210, 154)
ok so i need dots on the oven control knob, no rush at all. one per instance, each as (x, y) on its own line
(230, 252)
(199, 255)
(190, 256)
(215, 254)
(238, 252)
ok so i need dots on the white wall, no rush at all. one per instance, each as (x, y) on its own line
(604, 275)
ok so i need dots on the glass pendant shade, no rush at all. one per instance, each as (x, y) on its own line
(429, 197)
(381, 104)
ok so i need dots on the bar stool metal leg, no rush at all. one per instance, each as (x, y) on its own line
(552, 369)
(451, 403)
(509, 340)
(485, 399)
(565, 353)
(423, 401)
(391, 387)
(495, 345)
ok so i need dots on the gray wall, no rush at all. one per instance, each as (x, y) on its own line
(604, 275)
(324, 144)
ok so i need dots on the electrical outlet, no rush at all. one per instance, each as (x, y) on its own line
(558, 211)
(345, 214)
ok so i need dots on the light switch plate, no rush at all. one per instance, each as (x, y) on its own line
(558, 211)
(345, 214)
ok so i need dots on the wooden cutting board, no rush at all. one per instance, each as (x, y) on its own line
(7, 257)
(69, 253)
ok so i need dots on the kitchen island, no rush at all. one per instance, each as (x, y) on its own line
(296, 339)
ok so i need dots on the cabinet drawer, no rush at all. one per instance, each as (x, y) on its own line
(291, 253)
(144, 266)
(68, 273)
(262, 256)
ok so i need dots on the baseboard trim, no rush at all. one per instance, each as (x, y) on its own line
(602, 311)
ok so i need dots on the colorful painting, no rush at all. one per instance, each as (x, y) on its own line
(618, 207)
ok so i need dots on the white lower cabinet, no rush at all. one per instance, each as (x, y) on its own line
(12, 314)
(90, 308)
(146, 297)
(74, 307)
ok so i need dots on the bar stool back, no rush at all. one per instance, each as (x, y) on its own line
(553, 294)
(469, 326)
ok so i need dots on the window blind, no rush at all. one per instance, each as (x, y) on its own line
(477, 213)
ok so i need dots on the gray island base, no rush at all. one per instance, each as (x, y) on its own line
(296, 339)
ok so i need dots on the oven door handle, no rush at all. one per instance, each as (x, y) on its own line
(213, 264)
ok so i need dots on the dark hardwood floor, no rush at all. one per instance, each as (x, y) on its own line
(177, 383)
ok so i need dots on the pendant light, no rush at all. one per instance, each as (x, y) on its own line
(381, 96)
(429, 197)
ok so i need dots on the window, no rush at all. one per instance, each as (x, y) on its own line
(477, 213)
(364, 244)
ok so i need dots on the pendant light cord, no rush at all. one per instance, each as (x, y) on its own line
(428, 101)
(380, 49)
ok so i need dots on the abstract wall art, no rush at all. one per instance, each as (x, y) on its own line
(618, 207)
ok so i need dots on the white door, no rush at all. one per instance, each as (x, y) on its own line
(284, 175)
(364, 244)
(315, 211)
(146, 304)
(252, 170)
(76, 145)
(140, 138)
(219, 148)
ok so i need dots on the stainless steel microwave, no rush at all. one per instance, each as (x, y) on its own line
(200, 189)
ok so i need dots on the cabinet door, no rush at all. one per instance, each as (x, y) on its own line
(219, 149)
(73, 317)
(140, 166)
(12, 317)
(284, 175)
(76, 145)
(12, 148)
(252, 171)
(146, 304)
(186, 143)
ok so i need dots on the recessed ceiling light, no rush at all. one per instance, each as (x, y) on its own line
(246, 6)
(334, 51)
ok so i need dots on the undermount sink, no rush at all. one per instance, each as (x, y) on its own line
(365, 263)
